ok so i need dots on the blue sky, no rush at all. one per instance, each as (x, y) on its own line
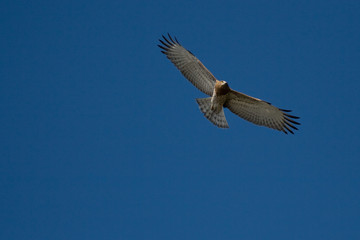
(101, 137)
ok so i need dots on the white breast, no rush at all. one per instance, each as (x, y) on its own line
(217, 102)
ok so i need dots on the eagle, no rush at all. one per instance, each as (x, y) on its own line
(222, 96)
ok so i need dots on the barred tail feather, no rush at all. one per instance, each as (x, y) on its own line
(217, 119)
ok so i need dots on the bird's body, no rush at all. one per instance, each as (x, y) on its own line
(222, 96)
(219, 96)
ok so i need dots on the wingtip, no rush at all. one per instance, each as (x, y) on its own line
(177, 41)
(288, 129)
(170, 40)
(285, 110)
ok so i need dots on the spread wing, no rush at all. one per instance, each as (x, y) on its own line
(188, 65)
(260, 112)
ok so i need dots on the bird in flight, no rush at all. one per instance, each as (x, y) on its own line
(222, 96)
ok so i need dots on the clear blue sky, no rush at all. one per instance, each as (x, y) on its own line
(101, 137)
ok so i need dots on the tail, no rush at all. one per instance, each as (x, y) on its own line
(217, 119)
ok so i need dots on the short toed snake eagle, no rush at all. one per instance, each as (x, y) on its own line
(221, 95)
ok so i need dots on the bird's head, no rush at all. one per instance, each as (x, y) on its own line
(222, 83)
(221, 87)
